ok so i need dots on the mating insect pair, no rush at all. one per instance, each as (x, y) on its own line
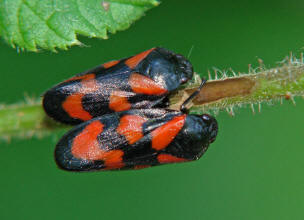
(120, 107)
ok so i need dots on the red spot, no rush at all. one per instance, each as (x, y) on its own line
(85, 77)
(164, 135)
(119, 101)
(135, 60)
(138, 167)
(73, 103)
(113, 159)
(144, 85)
(167, 158)
(85, 145)
(110, 64)
(89, 85)
(131, 127)
(73, 106)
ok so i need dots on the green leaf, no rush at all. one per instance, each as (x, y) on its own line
(50, 24)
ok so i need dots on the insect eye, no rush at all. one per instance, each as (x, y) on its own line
(212, 126)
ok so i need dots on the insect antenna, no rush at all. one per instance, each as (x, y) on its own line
(190, 52)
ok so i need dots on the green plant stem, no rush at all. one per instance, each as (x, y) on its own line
(261, 85)
(26, 120)
(257, 86)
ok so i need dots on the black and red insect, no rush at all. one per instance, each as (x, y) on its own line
(136, 139)
(139, 82)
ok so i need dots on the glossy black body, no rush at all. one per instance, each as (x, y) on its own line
(167, 69)
(190, 143)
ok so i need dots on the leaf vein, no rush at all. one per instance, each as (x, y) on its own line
(18, 23)
(85, 19)
(45, 21)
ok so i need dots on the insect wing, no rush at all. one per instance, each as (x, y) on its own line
(127, 140)
(140, 81)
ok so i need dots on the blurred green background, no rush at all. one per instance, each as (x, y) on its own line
(254, 170)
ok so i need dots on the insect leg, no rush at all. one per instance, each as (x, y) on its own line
(183, 107)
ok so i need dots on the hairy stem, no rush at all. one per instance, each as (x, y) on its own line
(26, 120)
(257, 86)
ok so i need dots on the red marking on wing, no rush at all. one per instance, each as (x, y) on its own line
(164, 135)
(119, 101)
(110, 64)
(144, 85)
(113, 159)
(131, 127)
(89, 85)
(85, 77)
(73, 103)
(135, 60)
(73, 106)
(85, 145)
(167, 158)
